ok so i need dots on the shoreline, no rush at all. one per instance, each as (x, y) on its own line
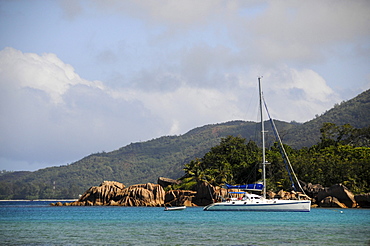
(72, 200)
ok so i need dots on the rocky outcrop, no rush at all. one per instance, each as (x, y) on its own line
(363, 200)
(335, 196)
(287, 195)
(284, 195)
(341, 193)
(207, 193)
(57, 204)
(102, 194)
(312, 190)
(271, 194)
(179, 198)
(115, 194)
(331, 202)
(203, 195)
(164, 182)
(149, 195)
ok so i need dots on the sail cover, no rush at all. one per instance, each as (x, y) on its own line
(257, 187)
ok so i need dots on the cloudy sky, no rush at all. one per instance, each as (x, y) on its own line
(80, 77)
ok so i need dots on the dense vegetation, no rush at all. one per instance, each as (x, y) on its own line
(337, 158)
(315, 154)
(354, 112)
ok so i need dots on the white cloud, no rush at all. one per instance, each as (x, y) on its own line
(49, 115)
(166, 67)
(46, 73)
(297, 94)
(187, 106)
(314, 86)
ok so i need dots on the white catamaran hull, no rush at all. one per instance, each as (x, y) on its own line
(271, 205)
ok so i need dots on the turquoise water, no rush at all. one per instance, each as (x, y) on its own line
(36, 223)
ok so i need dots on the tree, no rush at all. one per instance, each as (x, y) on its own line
(232, 161)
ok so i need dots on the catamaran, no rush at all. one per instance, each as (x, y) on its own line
(253, 202)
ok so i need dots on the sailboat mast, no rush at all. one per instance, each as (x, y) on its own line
(263, 142)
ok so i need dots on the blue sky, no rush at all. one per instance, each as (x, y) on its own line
(80, 77)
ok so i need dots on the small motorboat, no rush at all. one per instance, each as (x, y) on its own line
(174, 208)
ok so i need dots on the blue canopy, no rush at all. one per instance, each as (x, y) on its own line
(258, 187)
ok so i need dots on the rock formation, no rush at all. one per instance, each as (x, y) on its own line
(271, 194)
(115, 194)
(111, 193)
(164, 182)
(363, 200)
(330, 201)
(287, 195)
(149, 195)
(341, 193)
(102, 194)
(312, 190)
(179, 198)
(207, 193)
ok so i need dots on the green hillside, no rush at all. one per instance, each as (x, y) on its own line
(355, 112)
(166, 156)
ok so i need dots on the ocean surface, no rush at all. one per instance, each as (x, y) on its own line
(37, 223)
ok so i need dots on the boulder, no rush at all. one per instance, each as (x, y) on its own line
(207, 193)
(150, 195)
(330, 201)
(363, 200)
(137, 196)
(179, 198)
(164, 182)
(113, 203)
(56, 204)
(341, 193)
(312, 190)
(288, 195)
(76, 203)
(271, 194)
(284, 195)
(113, 193)
(102, 194)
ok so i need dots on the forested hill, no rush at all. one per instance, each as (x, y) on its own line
(165, 156)
(355, 112)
